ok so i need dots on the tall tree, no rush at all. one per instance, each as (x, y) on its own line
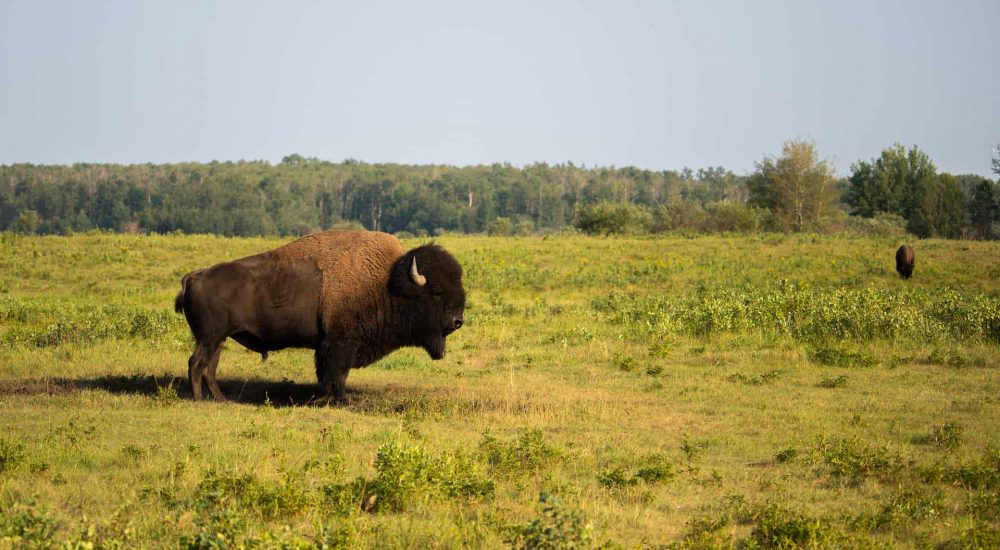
(941, 210)
(894, 182)
(798, 187)
(984, 209)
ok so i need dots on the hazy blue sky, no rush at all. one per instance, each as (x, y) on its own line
(659, 85)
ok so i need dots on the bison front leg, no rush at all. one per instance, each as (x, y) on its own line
(333, 363)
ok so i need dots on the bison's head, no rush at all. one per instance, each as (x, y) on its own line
(428, 282)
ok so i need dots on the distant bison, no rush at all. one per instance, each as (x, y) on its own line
(352, 296)
(904, 261)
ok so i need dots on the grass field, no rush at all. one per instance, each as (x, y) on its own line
(751, 391)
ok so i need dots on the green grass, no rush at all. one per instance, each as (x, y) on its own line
(756, 391)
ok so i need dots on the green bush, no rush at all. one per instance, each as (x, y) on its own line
(839, 356)
(605, 218)
(500, 227)
(25, 525)
(725, 217)
(680, 214)
(882, 224)
(525, 454)
(852, 461)
(947, 436)
(776, 527)
(556, 527)
(408, 475)
(650, 469)
(247, 493)
(12, 455)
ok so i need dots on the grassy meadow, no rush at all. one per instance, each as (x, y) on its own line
(715, 391)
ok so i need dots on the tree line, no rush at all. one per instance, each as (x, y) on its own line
(794, 191)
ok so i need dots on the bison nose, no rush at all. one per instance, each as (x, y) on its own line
(458, 323)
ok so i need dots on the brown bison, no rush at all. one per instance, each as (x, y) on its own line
(904, 261)
(352, 296)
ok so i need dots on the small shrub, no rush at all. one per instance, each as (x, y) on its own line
(625, 363)
(133, 453)
(691, 450)
(852, 461)
(786, 455)
(833, 381)
(246, 492)
(703, 533)
(754, 380)
(655, 468)
(26, 526)
(12, 455)
(457, 476)
(343, 499)
(217, 528)
(406, 475)
(981, 473)
(984, 505)
(556, 527)
(74, 432)
(952, 357)
(616, 478)
(946, 436)
(166, 394)
(527, 453)
(981, 535)
(832, 356)
(907, 505)
(776, 527)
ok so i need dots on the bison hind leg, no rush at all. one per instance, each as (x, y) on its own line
(213, 384)
(201, 369)
(194, 373)
(196, 368)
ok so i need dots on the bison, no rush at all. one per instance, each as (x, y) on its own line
(904, 261)
(351, 296)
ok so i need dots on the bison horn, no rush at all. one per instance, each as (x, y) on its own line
(415, 275)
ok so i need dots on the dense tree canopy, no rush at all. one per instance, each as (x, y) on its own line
(905, 182)
(303, 194)
(793, 192)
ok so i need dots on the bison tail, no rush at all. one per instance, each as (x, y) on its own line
(179, 300)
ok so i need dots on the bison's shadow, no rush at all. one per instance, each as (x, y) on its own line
(283, 393)
(363, 398)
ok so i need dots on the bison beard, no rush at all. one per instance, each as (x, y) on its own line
(352, 296)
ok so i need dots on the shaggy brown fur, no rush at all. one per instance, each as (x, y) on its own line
(349, 295)
(905, 261)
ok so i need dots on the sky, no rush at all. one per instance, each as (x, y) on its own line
(660, 85)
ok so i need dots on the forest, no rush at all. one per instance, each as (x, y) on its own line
(899, 191)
